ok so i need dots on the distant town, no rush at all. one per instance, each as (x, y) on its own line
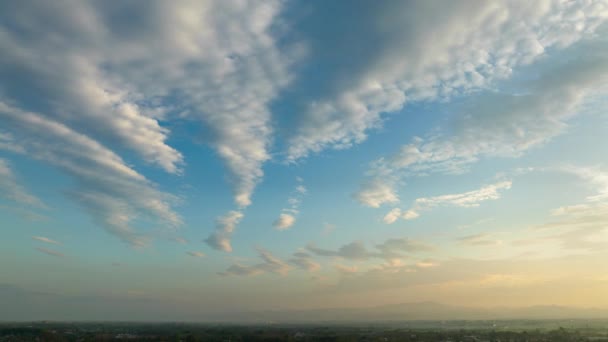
(453, 331)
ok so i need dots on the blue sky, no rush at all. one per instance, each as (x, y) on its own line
(288, 154)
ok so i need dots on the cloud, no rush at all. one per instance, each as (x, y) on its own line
(269, 264)
(110, 191)
(468, 199)
(389, 249)
(50, 252)
(87, 87)
(413, 281)
(396, 246)
(346, 269)
(285, 221)
(224, 228)
(179, 240)
(304, 261)
(481, 239)
(377, 192)
(392, 216)
(288, 216)
(196, 254)
(419, 51)
(25, 213)
(503, 123)
(13, 191)
(127, 83)
(7, 143)
(410, 215)
(354, 250)
(241, 270)
(66, 76)
(46, 240)
(578, 227)
(427, 263)
(594, 177)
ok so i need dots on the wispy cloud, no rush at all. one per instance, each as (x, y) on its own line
(287, 218)
(493, 124)
(458, 49)
(12, 190)
(377, 191)
(269, 264)
(46, 240)
(196, 254)
(389, 249)
(304, 261)
(576, 227)
(50, 252)
(111, 191)
(480, 239)
(179, 240)
(580, 226)
(344, 269)
(468, 199)
(224, 228)
(85, 73)
(104, 89)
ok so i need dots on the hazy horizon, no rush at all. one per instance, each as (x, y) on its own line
(178, 159)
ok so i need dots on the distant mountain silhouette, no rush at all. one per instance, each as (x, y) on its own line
(23, 305)
(421, 311)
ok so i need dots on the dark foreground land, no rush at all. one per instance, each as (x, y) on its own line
(513, 330)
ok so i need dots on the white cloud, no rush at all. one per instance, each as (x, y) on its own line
(421, 51)
(595, 177)
(481, 239)
(392, 216)
(7, 143)
(377, 192)
(224, 228)
(468, 199)
(12, 190)
(287, 218)
(45, 240)
(121, 81)
(111, 191)
(64, 69)
(410, 215)
(196, 254)
(578, 228)
(285, 221)
(582, 226)
(496, 124)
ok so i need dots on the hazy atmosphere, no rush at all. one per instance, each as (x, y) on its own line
(201, 160)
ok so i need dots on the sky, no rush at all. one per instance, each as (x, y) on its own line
(195, 157)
